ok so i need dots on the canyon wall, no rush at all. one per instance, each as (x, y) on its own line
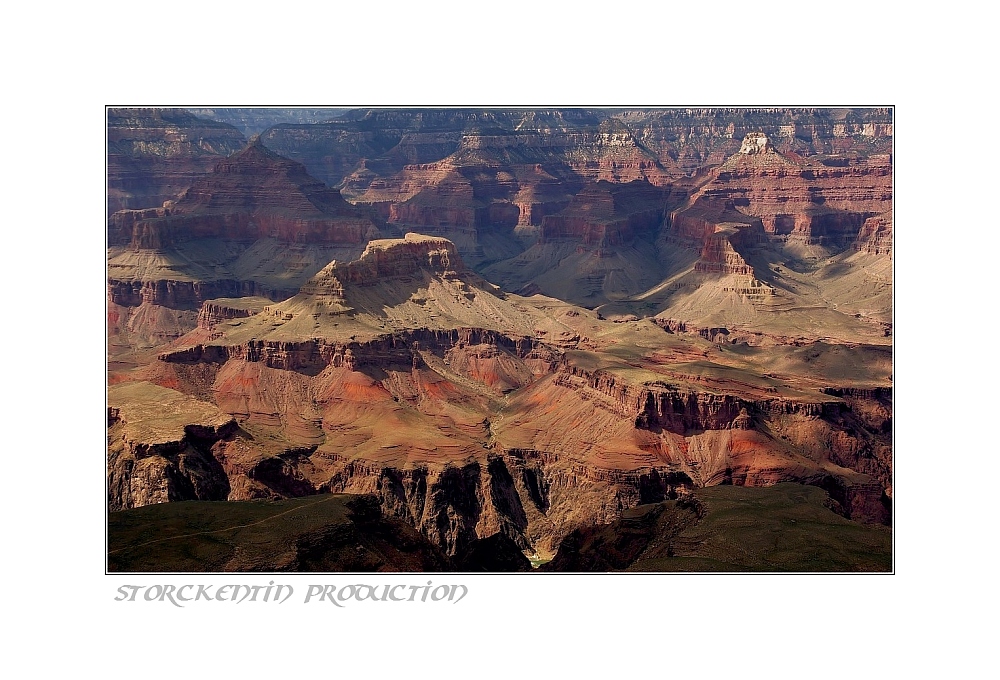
(535, 495)
(154, 155)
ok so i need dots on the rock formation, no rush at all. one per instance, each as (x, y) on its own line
(159, 447)
(254, 194)
(698, 325)
(498, 181)
(442, 423)
(154, 155)
(258, 225)
(875, 235)
(619, 145)
(756, 143)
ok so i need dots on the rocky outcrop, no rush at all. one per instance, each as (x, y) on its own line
(452, 506)
(160, 447)
(662, 406)
(756, 143)
(719, 252)
(187, 294)
(618, 146)
(216, 311)
(254, 194)
(875, 235)
(698, 137)
(154, 155)
(607, 215)
(395, 349)
(258, 226)
(530, 501)
(478, 207)
(385, 258)
(863, 438)
(710, 437)
(815, 203)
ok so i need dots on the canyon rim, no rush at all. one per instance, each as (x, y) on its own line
(499, 339)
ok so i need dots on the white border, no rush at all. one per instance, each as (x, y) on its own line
(65, 65)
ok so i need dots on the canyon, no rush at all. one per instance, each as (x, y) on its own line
(503, 331)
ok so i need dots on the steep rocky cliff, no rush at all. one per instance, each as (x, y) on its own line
(154, 155)
(254, 194)
(770, 243)
(483, 177)
(823, 201)
(160, 447)
(695, 138)
(875, 235)
(258, 226)
(616, 145)
(606, 214)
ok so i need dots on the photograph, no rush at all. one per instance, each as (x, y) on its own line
(500, 339)
(451, 339)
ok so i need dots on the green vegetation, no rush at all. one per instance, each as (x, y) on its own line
(197, 536)
(787, 527)
(329, 532)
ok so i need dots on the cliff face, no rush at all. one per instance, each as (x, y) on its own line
(215, 312)
(617, 146)
(389, 258)
(154, 155)
(698, 137)
(187, 294)
(706, 438)
(474, 175)
(601, 444)
(160, 447)
(401, 349)
(768, 244)
(254, 194)
(875, 235)
(823, 202)
(608, 215)
(258, 226)
(452, 506)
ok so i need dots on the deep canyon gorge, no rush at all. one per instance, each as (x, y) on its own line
(500, 339)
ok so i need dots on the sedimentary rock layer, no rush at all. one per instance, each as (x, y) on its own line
(154, 155)
(254, 194)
